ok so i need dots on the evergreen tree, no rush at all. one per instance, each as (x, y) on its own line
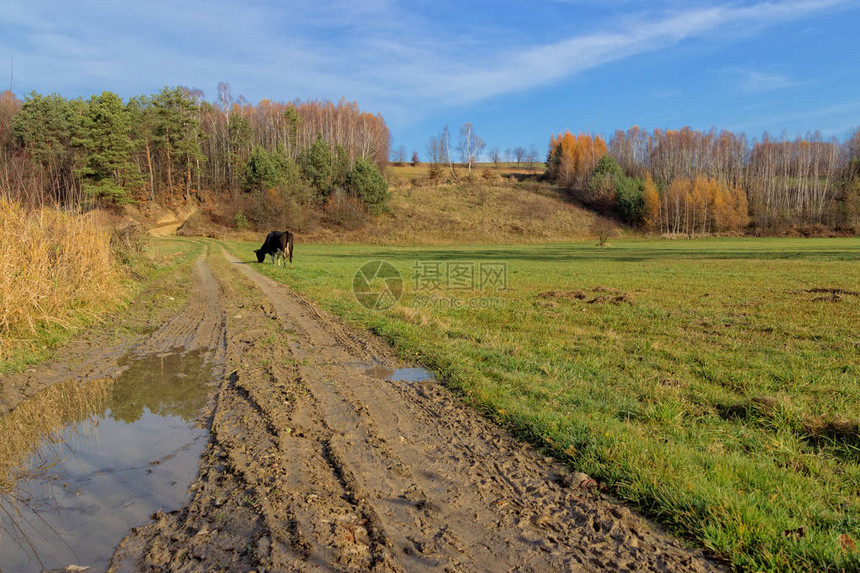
(367, 183)
(266, 170)
(108, 172)
(317, 165)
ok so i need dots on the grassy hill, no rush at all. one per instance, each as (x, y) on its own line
(504, 204)
(500, 205)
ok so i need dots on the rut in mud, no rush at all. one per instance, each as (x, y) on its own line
(316, 462)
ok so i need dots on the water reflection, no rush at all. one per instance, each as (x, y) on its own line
(168, 385)
(397, 374)
(110, 473)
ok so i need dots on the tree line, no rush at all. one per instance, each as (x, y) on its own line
(173, 145)
(688, 181)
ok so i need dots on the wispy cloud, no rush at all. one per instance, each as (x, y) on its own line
(377, 51)
(755, 81)
(527, 67)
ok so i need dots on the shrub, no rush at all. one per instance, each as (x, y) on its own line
(240, 220)
(346, 212)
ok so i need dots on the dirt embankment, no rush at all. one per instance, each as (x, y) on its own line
(317, 463)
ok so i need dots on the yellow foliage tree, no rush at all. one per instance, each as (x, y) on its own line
(651, 213)
(573, 157)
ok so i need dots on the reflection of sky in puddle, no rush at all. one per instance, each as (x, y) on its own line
(112, 472)
(398, 374)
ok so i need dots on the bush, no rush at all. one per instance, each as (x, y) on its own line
(106, 192)
(346, 212)
(240, 220)
(290, 207)
(127, 243)
(603, 229)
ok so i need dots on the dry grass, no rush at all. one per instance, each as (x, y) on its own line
(482, 212)
(22, 430)
(407, 174)
(56, 268)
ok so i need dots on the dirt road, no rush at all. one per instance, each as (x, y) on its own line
(318, 463)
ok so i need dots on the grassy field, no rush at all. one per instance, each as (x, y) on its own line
(713, 383)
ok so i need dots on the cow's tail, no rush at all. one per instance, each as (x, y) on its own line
(290, 246)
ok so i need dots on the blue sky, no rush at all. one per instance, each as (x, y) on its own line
(518, 71)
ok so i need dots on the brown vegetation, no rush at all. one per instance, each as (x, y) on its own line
(486, 212)
(55, 267)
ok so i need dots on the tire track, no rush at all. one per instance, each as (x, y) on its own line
(450, 490)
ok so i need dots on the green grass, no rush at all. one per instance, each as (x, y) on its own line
(718, 394)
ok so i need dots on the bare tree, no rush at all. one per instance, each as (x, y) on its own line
(519, 154)
(532, 157)
(495, 156)
(436, 156)
(470, 146)
(604, 229)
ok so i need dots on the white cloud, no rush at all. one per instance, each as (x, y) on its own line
(377, 52)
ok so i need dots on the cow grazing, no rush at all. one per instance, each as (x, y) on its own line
(277, 244)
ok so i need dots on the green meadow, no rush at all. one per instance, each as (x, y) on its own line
(715, 384)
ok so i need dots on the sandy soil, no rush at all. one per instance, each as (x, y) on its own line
(316, 462)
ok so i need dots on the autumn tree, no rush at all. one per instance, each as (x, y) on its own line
(572, 158)
(532, 157)
(651, 215)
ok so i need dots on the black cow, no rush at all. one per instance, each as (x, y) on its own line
(277, 244)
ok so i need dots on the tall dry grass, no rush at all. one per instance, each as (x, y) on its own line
(56, 268)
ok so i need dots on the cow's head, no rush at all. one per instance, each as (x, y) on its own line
(261, 256)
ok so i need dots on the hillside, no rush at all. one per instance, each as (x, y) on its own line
(507, 205)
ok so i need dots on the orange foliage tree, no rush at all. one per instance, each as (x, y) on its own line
(698, 206)
(572, 158)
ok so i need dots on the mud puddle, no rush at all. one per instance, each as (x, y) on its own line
(398, 374)
(93, 481)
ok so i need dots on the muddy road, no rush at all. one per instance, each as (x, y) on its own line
(317, 461)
